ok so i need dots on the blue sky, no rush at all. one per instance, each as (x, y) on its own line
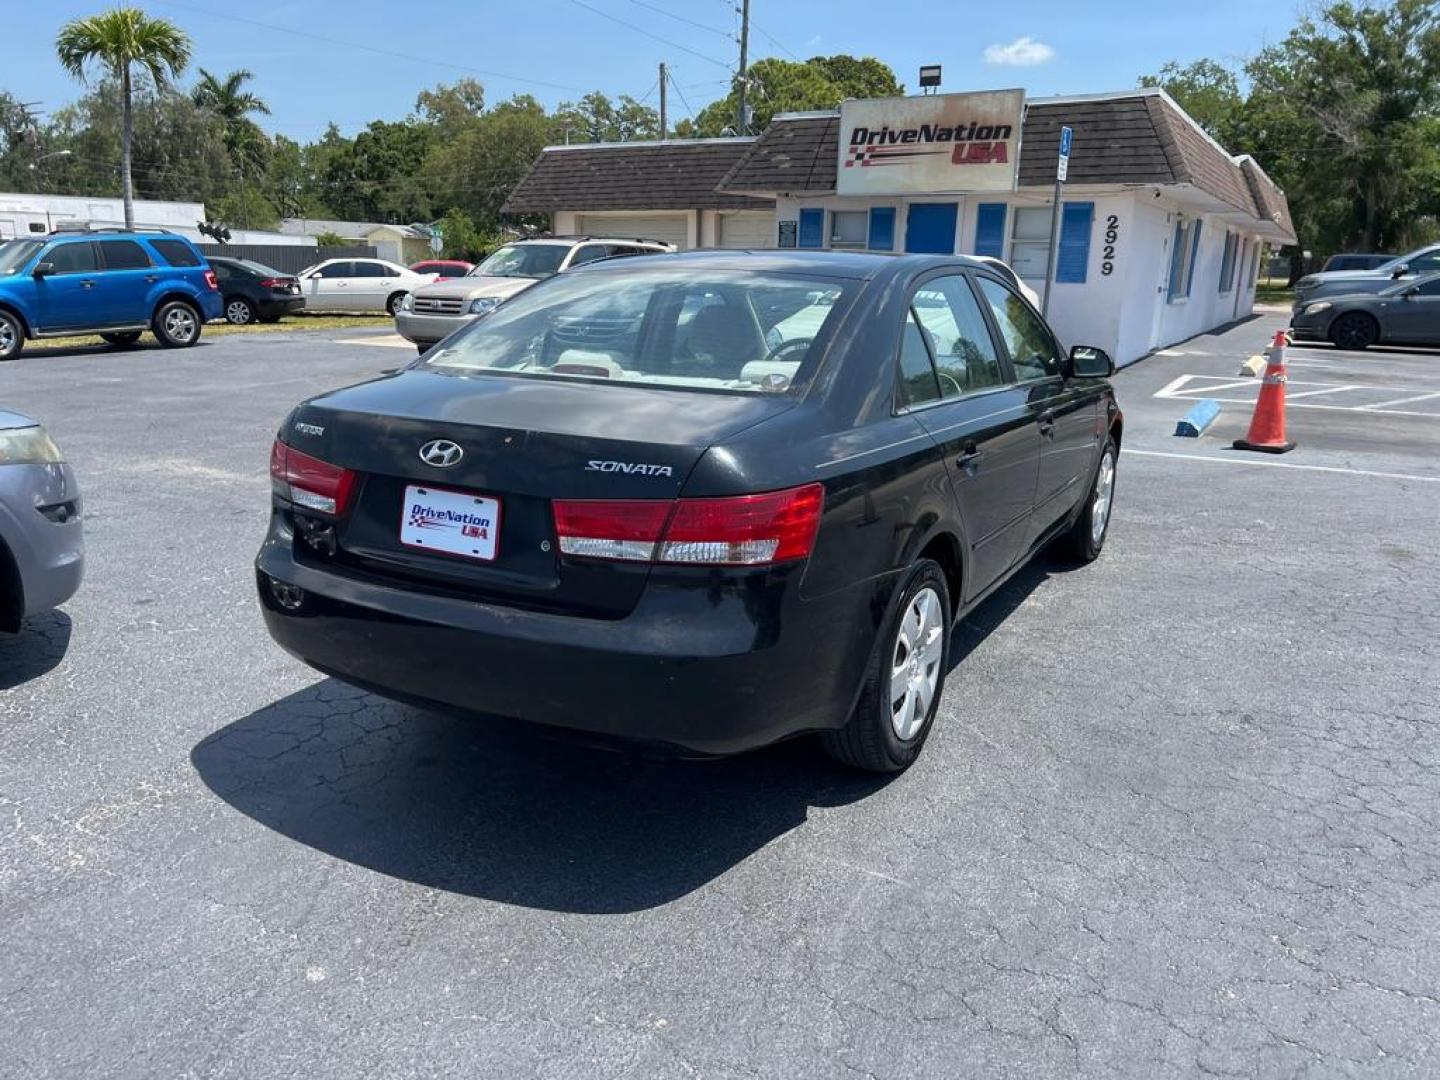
(378, 53)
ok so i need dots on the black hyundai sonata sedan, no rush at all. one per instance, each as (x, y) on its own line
(707, 500)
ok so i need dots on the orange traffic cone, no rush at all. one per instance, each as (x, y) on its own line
(1267, 426)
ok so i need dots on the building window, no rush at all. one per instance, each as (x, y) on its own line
(882, 228)
(849, 229)
(812, 228)
(1030, 241)
(1227, 262)
(1185, 245)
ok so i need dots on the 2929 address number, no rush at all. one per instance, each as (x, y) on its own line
(1112, 238)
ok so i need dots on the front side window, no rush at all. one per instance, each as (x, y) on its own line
(720, 330)
(1033, 352)
(123, 255)
(965, 356)
(1422, 264)
(74, 258)
(523, 260)
(337, 270)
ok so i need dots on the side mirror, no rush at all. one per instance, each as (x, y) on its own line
(44, 269)
(317, 274)
(1088, 362)
(1400, 271)
(1410, 293)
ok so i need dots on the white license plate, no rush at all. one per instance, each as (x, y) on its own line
(452, 522)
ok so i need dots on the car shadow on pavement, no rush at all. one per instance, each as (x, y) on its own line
(38, 647)
(489, 808)
(970, 633)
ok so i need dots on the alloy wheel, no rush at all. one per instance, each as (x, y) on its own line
(8, 336)
(915, 663)
(237, 312)
(1104, 493)
(180, 323)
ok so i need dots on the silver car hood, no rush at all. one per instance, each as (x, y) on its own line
(469, 288)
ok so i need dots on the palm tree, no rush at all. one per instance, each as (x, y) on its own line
(233, 106)
(118, 40)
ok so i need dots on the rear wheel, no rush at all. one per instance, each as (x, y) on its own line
(12, 336)
(176, 324)
(239, 311)
(903, 681)
(122, 338)
(1087, 536)
(393, 304)
(1355, 330)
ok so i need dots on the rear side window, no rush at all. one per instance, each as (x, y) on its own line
(123, 255)
(965, 356)
(917, 374)
(591, 252)
(1033, 352)
(176, 252)
(74, 258)
(369, 269)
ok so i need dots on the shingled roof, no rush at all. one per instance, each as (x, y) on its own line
(1139, 138)
(681, 174)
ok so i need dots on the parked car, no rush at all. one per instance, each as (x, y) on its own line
(1004, 270)
(1407, 313)
(42, 555)
(1355, 261)
(433, 313)
(443, 268)
(638, 500)
(1338, 282)
(255, 292)
(359, 285)
(114, 282)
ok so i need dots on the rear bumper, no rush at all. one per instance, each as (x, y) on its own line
(280, 305)
(706, 664)
(49, 554)
(428, 329)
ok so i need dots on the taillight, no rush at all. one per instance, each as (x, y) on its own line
(742, 530)
(271, 282)
(211, 279)
(309, 482)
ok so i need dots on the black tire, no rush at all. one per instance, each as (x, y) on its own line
(239, 311)
(422, 349)
(392, 305)
(870, 739)
(1084, 542)
(176, 324)
(122, 339)
(1354, 330)
(271, 318)
(12, 336)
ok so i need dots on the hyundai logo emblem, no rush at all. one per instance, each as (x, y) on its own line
(442, 453)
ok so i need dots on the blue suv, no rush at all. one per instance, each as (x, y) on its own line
(117, 283)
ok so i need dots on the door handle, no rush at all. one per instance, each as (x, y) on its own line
(87, 284)
(969, 460)
(151, 278)
(1047, 423)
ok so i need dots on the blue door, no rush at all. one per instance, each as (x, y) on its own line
(66, 297)
(930, 228)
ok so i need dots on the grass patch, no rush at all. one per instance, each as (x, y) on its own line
(288, 325)
(1273, 291)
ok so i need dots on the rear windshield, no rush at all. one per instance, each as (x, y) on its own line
(715, 330)
(16, 253)
(261, 269)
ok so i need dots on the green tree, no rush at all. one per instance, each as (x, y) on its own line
(451, 106)
(476, 171)
(234, 105)
(777, 86)
(245, 208)
(379, 176)
(595, 118)
(119, 40)
(462, 239)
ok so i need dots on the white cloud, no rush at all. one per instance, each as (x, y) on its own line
(1022, 52)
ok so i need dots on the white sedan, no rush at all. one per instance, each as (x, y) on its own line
(359, 285)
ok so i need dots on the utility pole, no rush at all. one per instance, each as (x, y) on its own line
(664, 129)
(742, 122)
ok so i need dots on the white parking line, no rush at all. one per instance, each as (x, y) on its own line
(1399, 401)
(1328, 390)
(1272, 464)
(1195, 387)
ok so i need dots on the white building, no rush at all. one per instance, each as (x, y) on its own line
(1161, 230)
(31, 215)
(403, 244)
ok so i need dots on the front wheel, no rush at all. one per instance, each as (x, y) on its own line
(393, 304)
(903, 681)
(239, 311)
(176, 324)
(1354, 330)
(12, 336)
(1087, 536)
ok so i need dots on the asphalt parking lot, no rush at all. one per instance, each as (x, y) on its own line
(1178, 816)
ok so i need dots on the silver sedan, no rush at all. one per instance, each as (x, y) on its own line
(41, 551)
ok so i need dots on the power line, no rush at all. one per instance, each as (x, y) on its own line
(428, 61)
(681, 18)
(647, 33)
(681, 94)
(774, 41)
